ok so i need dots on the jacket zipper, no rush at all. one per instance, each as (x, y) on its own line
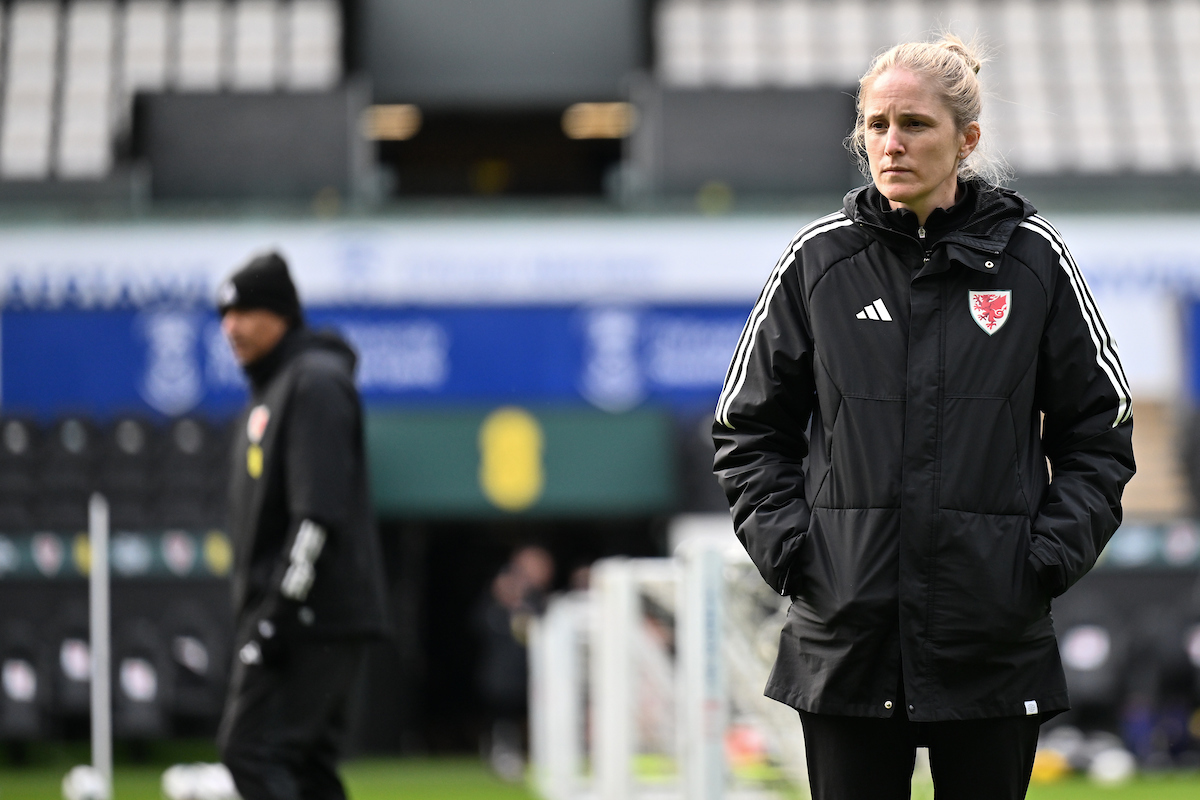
(921, 236)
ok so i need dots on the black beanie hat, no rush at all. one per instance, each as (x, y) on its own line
(264, 282)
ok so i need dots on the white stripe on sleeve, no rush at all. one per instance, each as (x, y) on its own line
(735, 377)
(1106, 347)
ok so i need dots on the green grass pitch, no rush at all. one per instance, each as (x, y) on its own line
(450, 779)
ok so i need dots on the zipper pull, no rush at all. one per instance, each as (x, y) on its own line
(921, 233)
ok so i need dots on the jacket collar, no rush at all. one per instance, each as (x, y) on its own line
(261, 372)
(298, 340)
(971, 234)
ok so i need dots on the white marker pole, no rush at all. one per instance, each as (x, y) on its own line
(98, 609)
(704, 703)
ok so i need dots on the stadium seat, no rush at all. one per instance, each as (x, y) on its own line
(127, 473)
(200, 67)
(200, 652)
(141, 679)
(193, 474)
(314, 35)
(71, 656)
(85, 124)
(24, 684)
(1143, 87)
(66, 475)
(1184, 26)
(144, 50)
(30, 77)
(256, 57)
(1095, 643)
(20, 443)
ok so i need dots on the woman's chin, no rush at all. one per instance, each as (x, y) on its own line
(898, 195)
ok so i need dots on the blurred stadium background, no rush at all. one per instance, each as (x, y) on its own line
(542, 225)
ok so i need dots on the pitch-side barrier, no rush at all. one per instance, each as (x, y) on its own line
(648, 686)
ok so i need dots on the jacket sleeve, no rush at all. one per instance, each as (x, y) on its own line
(760, 427)
(1086, 435)
(323, 439)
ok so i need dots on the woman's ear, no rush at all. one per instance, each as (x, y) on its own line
(970, 140)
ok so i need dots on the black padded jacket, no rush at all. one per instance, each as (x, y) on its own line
(883, 436)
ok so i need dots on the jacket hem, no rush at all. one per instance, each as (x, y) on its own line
(1048, 706)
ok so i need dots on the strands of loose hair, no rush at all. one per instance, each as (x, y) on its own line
(953, 65)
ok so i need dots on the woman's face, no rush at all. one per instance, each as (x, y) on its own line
(913, 145)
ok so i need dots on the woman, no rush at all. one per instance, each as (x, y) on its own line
(880, 437)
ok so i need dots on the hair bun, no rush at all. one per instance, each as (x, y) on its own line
(964, 51)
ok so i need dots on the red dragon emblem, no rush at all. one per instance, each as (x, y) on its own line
(991, 309)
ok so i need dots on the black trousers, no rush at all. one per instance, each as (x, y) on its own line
(861, 758)
(282, 725)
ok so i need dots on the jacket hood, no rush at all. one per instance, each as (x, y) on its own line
(295, 342)
(996, 214)
(329, 340)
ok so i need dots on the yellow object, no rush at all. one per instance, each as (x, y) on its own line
(714, 198)
(511, 473)
(391, 123)
(254, 461)
(1049, 766)
(599, 120)
(81, 551)
(218, 553)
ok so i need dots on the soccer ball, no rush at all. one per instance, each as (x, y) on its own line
(85, 783)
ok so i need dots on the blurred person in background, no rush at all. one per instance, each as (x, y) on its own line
(517, 594)
(883, 435)
(308, 589)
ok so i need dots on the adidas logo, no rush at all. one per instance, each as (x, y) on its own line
(876, 310)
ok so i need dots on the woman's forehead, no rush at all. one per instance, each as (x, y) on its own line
(903, 90)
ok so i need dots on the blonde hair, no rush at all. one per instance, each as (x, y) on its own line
(953, 66)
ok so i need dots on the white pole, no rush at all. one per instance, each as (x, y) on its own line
(615, 596)
(703, 700)
(98, 608)
(556, 698)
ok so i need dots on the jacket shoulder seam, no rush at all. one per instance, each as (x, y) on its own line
(830, 266)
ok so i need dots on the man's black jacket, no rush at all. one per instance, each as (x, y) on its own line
(299, 457)
(880, 438)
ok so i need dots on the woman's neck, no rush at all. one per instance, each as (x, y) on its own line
(945, 198)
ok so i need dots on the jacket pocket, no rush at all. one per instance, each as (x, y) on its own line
(865, 453)
(846, 569)
(984, 589)
(979, 470)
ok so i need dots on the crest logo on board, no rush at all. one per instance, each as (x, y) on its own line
(179, 552)
(48, 553)
(256, 425)
(990, 310)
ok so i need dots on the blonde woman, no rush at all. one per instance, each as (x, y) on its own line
(880, 439)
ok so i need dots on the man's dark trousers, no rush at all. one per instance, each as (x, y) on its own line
(280, 730)
(861, 758)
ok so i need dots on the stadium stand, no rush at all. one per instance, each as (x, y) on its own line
(165, 482)
(72, 70)
(1064, 76)
(154, 475)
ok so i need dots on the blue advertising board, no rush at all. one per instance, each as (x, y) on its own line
(174, 360)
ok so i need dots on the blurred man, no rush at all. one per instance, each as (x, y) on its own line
(307, 585)
(517, 595)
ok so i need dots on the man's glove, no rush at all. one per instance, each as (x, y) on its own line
(268, 634)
